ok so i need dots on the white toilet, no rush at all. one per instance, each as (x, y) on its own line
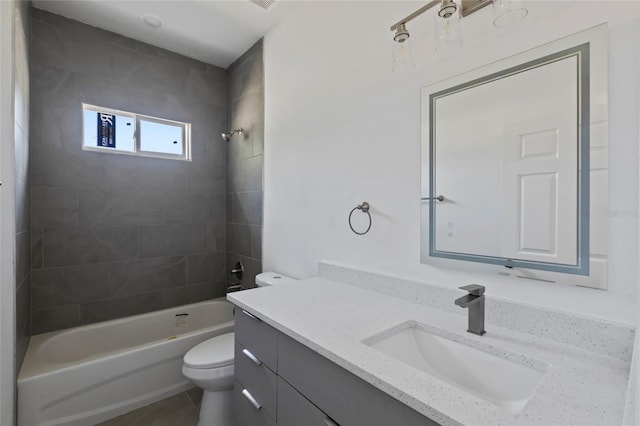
(209, 365)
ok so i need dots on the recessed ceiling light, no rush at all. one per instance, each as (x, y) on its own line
(151, 20)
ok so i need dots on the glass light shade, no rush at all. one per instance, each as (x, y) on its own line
(447, 32)
(508, 12)
(403, 58)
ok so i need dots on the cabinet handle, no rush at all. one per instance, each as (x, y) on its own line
(251, 356)
(328, 421)
(251, 399)
(251, 315)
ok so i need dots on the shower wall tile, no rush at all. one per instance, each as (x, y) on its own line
(198, 87)
(258, 138)
(37, 242)
(22, 206)
(23, 321)
(239, 239)
(65, 247)
(245, 110)
(202, 178)
(216, 152)
(217, 208)
(246, 75)
(247, 207)
(251, 266)
(23, 262)
(216, 237)
(256, 242)
(104, 208)
(172, 240)
(110, 234)
(206, 267)
(245, 79)
(194, 293)
(45, 320)
(54, 287)
(140, 276)
(245, 175)
(51, 167)
(53, 208)
(185, 208)
(241, 145)
(120, 307)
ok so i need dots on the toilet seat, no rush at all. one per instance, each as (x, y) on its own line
(213, 353)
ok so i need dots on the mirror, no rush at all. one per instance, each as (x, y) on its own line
(505, 146)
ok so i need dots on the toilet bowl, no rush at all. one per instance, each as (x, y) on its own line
(209, 366)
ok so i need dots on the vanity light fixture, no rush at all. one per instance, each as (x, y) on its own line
(447, 21)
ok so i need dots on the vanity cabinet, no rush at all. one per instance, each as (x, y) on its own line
(280, 381)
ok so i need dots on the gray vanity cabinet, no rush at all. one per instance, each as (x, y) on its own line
(296, 410)
(255, 364)
(295, 386)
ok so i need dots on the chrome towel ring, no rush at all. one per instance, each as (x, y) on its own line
(365, 209)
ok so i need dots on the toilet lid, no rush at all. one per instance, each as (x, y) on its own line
(212, 353)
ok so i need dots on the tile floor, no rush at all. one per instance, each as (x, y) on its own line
(178, 410)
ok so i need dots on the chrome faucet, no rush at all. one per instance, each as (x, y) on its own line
(475, 302)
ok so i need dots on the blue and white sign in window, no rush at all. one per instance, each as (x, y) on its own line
(106, 130)
(109, 130)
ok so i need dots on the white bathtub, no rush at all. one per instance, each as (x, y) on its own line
(85, 375)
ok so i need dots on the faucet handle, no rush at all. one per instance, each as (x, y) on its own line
(474, 289)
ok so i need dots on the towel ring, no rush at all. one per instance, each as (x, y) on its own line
(365, 209)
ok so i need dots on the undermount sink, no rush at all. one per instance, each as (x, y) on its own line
(505, 379)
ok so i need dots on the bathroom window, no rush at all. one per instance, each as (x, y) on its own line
(109, 130)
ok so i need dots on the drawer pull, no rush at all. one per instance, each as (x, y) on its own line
(251, 356)
(328, 421)
(251, 399)
(251, 315)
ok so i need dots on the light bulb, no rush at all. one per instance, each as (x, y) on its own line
(402, 55)
(447, 31)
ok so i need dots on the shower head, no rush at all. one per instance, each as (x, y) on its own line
(227, 136)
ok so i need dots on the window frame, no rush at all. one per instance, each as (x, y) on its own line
(186, 134)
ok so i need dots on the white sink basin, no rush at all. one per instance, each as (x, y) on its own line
(505, 379)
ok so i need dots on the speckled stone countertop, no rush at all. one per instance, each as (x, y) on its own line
(580, 388)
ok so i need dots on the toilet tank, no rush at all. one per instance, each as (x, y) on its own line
(272, 278)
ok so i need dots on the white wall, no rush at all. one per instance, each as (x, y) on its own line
(342, 128)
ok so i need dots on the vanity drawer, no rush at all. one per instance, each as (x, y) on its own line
(256, 378)
(296, 410)
(246, 414)
(348, 399)
(258, 337)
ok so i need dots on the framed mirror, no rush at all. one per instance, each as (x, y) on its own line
(503, 151)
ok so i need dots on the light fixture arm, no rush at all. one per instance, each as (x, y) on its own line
(467, 8)
(415, 14)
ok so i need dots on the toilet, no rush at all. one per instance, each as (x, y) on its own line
(209, 365)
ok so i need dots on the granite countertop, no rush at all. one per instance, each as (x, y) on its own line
(333, 319)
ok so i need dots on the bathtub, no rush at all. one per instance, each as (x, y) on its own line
(85, 375)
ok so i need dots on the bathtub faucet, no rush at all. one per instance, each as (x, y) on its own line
(235, 287)
(474, 301)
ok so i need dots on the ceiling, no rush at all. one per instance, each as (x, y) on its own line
(213, 31)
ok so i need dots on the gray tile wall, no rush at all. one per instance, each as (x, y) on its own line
(245, 93)
(115, 235)
(21, 181)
